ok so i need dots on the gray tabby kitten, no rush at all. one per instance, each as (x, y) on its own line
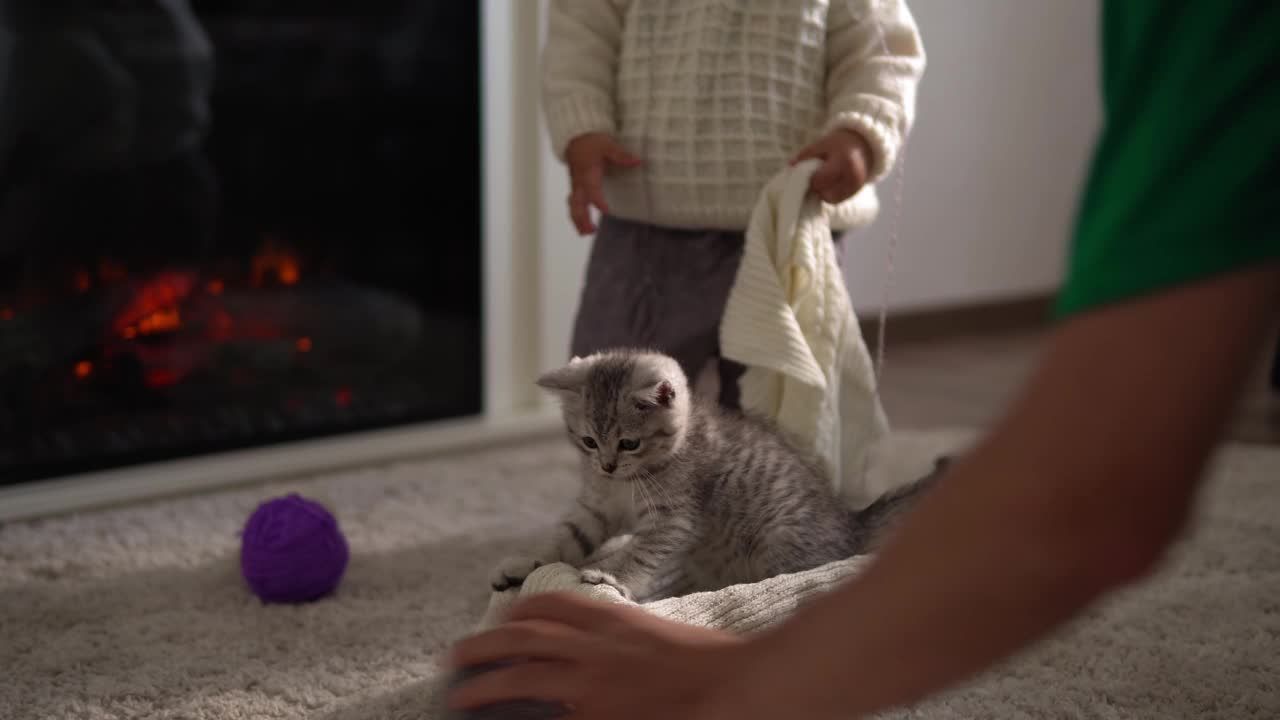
(720, 496)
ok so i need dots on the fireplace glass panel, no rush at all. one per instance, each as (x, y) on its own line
(230, 223)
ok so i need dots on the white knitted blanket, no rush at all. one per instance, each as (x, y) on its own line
(789, 320)
(739, 609)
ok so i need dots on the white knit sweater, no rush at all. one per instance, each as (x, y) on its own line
(717, 95)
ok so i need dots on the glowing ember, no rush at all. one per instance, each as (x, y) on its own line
(129, 333)
(160, 321)
(273, 261)
(303, 344)
(82, 280)
(84, 369)
(342, 397)
(222, 326)
(154, 308)
(161, 378)
(215, 287)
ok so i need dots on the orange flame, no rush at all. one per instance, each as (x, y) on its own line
(274, 261)
(84, 369)
(155, 306)
(160, 321)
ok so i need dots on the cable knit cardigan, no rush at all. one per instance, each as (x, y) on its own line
(717, 95)
(788, 319)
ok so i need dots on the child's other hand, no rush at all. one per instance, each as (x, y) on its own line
(587, 157)
(845, 157)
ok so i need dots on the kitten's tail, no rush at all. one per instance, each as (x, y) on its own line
(872, 523)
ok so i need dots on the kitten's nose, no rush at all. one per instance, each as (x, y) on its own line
(609, 468)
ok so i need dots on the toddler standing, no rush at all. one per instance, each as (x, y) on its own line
(672, 115)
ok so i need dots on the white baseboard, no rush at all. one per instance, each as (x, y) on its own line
(142, 482)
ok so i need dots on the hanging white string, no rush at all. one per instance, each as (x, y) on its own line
(899, 186)
(887, 289)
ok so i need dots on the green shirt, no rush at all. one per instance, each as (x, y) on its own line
(1185, 182)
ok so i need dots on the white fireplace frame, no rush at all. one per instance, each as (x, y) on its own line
(515, 343)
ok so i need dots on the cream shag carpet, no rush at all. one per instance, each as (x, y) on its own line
(140, 612)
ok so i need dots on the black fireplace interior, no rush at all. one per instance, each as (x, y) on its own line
(228, 223)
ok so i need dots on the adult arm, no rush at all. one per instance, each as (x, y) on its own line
(1078, 491)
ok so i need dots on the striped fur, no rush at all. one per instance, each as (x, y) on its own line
(722, 498)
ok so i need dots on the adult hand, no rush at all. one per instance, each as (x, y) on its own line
(846, 159)
(588, 157)
(607, 662)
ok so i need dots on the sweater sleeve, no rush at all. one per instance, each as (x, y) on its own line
(580, 67)
(875, 59)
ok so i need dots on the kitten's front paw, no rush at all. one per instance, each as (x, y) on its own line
(511, 572)
(600, 577)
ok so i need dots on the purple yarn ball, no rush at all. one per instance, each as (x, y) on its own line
(292, 550)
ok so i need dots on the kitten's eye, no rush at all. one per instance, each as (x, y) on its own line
(628, 445)
(590, 442)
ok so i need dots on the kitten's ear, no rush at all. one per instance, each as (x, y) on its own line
(661, 395)
(567, 379)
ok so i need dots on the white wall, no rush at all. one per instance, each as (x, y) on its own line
(564, 253)
(1006, 117)
(1007, 114)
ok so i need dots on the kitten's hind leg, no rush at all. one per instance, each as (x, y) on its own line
(792, 555)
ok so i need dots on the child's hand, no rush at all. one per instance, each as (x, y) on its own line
(587, 156)
(845, 156)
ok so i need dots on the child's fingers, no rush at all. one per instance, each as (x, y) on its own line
(595, 193)
(587, 183)
(832, 182)
(590, 193)
(837, 193)
(618, 155)
(826, 177)
(813, 151)
(580, 213)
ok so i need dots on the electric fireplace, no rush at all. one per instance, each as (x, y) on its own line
(231, 223)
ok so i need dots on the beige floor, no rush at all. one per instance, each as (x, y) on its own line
(140, 611)
(968, 381)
